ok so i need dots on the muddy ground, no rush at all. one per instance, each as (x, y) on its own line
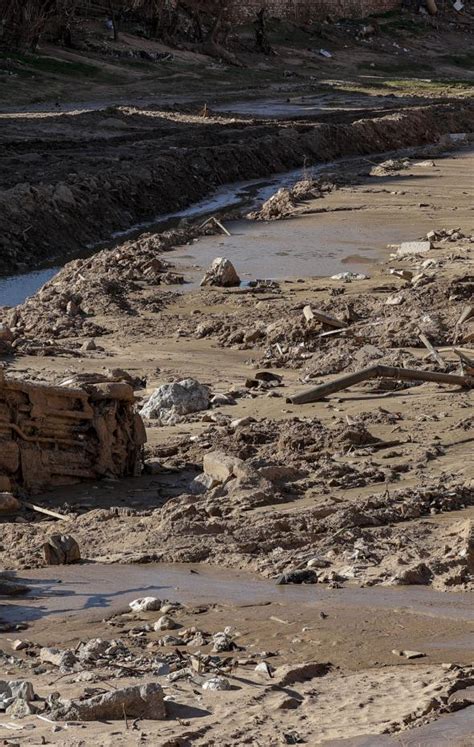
(366, 496)
(372, 487)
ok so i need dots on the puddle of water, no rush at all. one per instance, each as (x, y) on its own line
(302, 106)
(310, 246)
(14, 290)
(94, 586)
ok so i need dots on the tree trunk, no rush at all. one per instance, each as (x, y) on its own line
(114, 20)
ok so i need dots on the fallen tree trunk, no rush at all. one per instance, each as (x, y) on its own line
(376, 372)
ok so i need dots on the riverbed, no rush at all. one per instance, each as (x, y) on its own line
(326, 241)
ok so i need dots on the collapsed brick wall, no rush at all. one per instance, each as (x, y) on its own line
(305, 11)
(50, 435)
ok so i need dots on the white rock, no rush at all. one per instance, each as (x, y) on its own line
(264, 668)
(170, 402)
(217, 683)
(145, 604)
(347, 277)
(239, 422)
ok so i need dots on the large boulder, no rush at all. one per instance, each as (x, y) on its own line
(170, 402)
(138, 701)
(221, 273)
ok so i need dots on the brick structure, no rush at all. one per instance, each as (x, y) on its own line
(305, 11)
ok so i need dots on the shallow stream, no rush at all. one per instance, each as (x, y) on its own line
(94, 586)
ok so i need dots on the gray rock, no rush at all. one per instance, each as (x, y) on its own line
(223, 642)
(93, 649)
(165, 623)
(170, 402)
(139, 701)
(14, 690)
(201, 484)
(221, 273)
(419, 574)
(62, 658)
(303, 576)
(20, 708)
(220, 466)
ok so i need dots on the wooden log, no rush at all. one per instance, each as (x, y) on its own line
(433, 352)
(375, 372)
(46, 511)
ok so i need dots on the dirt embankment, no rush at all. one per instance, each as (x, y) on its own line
(145, 163)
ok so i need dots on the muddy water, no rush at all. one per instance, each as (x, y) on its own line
(95, 586)
(15, 289)
(305, 106)
(351, 236)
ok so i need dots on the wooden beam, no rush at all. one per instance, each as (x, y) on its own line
(375, 372)
(433, 352)
(46, 511)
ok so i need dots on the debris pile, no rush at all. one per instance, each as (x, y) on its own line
(287, 202)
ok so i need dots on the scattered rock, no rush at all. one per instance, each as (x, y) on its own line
(61, 549)
(221, 273)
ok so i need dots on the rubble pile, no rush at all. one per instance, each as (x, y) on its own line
(371, 322)
(111, 282)
(287, 201)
